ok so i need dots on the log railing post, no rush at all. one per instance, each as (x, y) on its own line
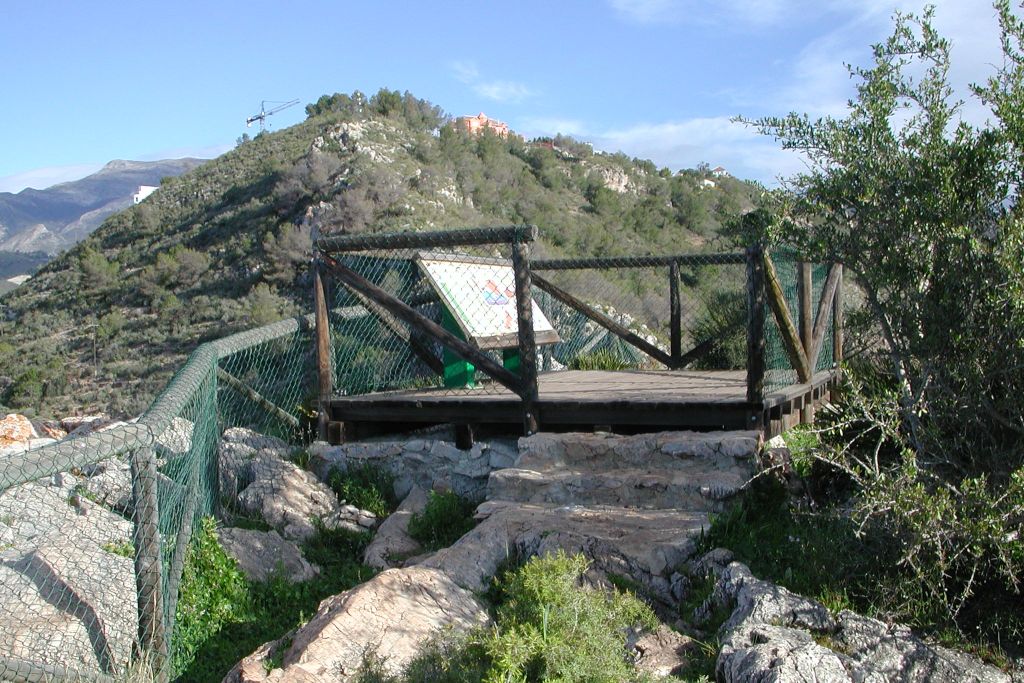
(806, 322)
(148, 571)
(675, 312)
(323, 352)
(837, 320)
(527, 342)
(755, 332)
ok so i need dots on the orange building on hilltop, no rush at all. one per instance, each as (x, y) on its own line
(476, 124)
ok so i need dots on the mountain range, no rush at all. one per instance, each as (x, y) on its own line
(56, 218)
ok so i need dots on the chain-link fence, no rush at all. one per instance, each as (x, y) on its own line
(94, 528)
(802, 286)
(645, 312)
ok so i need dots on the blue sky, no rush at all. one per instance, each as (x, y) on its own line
(87, 82)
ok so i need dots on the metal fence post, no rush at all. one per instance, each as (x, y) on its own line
(527, 342)
(148, 574)
(755, 333)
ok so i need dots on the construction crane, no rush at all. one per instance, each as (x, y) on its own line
(264, 112)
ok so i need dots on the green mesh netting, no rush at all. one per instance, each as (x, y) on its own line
(81, 519)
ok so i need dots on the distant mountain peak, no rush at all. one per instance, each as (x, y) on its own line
(71, 210)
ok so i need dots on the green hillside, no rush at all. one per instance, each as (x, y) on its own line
(225, 246)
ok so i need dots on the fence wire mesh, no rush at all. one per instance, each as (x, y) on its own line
(94, 528)
(779, 370)
(637, 296)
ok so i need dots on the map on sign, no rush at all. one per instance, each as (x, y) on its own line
(481, 295)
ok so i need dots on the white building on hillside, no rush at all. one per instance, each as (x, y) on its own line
(143, 192)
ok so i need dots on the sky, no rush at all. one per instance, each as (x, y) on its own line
(88, 82)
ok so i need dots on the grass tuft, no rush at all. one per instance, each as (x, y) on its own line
(222, 616)
(367, 486)
(445, 519)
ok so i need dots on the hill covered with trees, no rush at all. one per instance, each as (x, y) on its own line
(226, 246)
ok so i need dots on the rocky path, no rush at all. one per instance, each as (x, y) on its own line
(635, 506)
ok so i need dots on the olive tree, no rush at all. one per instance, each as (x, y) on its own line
(922, 209)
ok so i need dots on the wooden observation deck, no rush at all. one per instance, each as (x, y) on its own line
(520, 398)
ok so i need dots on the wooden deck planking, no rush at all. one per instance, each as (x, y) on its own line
(662, 399)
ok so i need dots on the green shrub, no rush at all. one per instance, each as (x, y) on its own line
(367, 486)
(445, 519)
(214, 593)
(222, 616)
(549, 627)
(553, 628)
(601, 359)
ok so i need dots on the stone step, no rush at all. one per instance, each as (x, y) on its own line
(664, 450)
(702, 489)
(647, 545)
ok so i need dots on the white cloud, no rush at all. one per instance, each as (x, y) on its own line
(717, 141)
(496, 90)
(42, 178)
(543, 126)
(503, 91)
(465, 72)
(647, 11)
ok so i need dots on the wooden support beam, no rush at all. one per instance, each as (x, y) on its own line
(357, 283)
(527, 341)
(806, 289)
(323, 352)
(825, 305)
(790, 336)
(604, 321)
(755, 324)
(257, 398)
(416, 344)
(676, 312)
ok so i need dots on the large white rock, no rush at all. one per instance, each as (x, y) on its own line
(262, 555)
(67, 593)
(773, 636)
(391, 615)
(647, 545)
(392, 543)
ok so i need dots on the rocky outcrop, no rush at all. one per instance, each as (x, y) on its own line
(67, 586)
(261, 483)
(776, 636)
(662, 653)
(263, 555)
(16, 430)
(392, 615)
(391, 545)
(427, 463)
(645, 545)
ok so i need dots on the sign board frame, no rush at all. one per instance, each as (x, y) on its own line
(477, 292)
